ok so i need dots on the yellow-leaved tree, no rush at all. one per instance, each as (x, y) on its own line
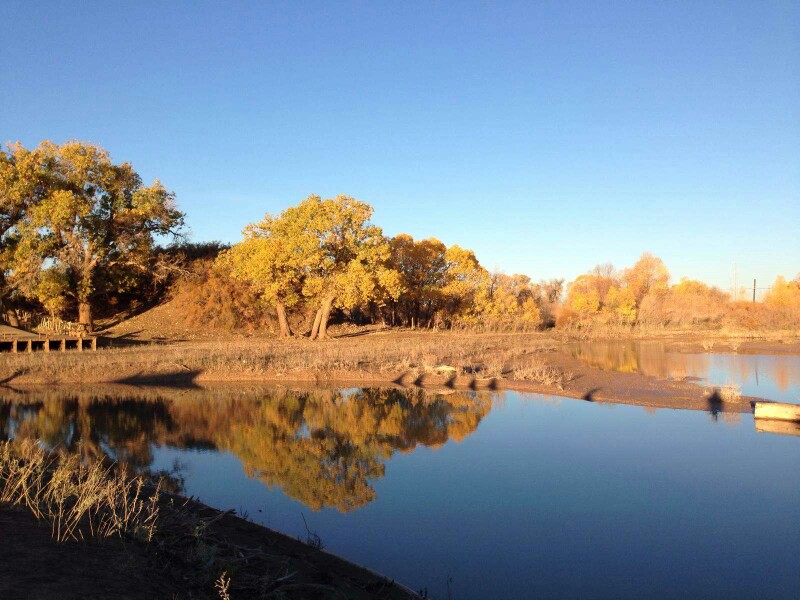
(354, 265)
(422, 266)
(649, 274)
(277, 256)
(325, 251)
(90, 226)
(20, 178)
(466, 285)
(512, 302)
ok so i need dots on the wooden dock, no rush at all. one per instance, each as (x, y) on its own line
(13, 339)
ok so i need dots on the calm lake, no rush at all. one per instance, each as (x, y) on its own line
(481, 495)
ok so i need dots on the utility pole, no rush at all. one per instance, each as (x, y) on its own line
(754, 290)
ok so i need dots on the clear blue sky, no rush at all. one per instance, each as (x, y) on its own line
(548, 137)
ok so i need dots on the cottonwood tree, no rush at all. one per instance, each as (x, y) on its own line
(325, 251)
(277, 256)
(466, 285)
(353, 268)
(649, 274)
(21, 173)
(92, 226)
(512, 303)
(422, 266)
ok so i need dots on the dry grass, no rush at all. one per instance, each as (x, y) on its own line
(79, 500)
(375, 355)
(729, 393)
(538, 371)
(192, 543)
(384, 354)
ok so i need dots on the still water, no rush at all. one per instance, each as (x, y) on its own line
(478, 495)
(763, 376)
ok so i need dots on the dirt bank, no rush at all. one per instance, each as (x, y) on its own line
(36, 567)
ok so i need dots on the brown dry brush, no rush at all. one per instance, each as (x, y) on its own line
(79, 500)
(537, 371)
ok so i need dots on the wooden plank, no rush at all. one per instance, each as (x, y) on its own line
(47, 344)
(777, 410)
(14, 345)
(94, 343)
(63, 345)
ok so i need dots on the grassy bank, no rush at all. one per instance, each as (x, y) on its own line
(382, 356)
(535, 362)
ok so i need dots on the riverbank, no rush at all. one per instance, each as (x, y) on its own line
(189, 551)
(528, 362)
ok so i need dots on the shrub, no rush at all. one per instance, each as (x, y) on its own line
(209, 297)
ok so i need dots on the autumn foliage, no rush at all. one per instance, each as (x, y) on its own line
(76, 228)
(80, 233)
(327, 254)
(642, 296)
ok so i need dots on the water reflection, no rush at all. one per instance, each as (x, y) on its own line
(765, 376)
(545, 498)
(323, 448)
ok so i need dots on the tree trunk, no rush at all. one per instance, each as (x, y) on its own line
(85, 315)
(283, 322)
(12, 317)
(323, 322)
(315, 327)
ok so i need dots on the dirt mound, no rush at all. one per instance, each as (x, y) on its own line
(164, 322)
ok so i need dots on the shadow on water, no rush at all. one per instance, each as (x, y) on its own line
(714, 400)
(184, 379)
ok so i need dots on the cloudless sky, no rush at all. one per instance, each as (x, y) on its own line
(546, 136)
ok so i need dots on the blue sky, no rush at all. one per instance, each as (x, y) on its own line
(548, 137)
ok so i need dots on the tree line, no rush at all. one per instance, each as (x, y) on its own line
(78, 233)
(328, 254)
(643, 296)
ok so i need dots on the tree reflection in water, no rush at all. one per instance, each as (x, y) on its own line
(323, 448)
